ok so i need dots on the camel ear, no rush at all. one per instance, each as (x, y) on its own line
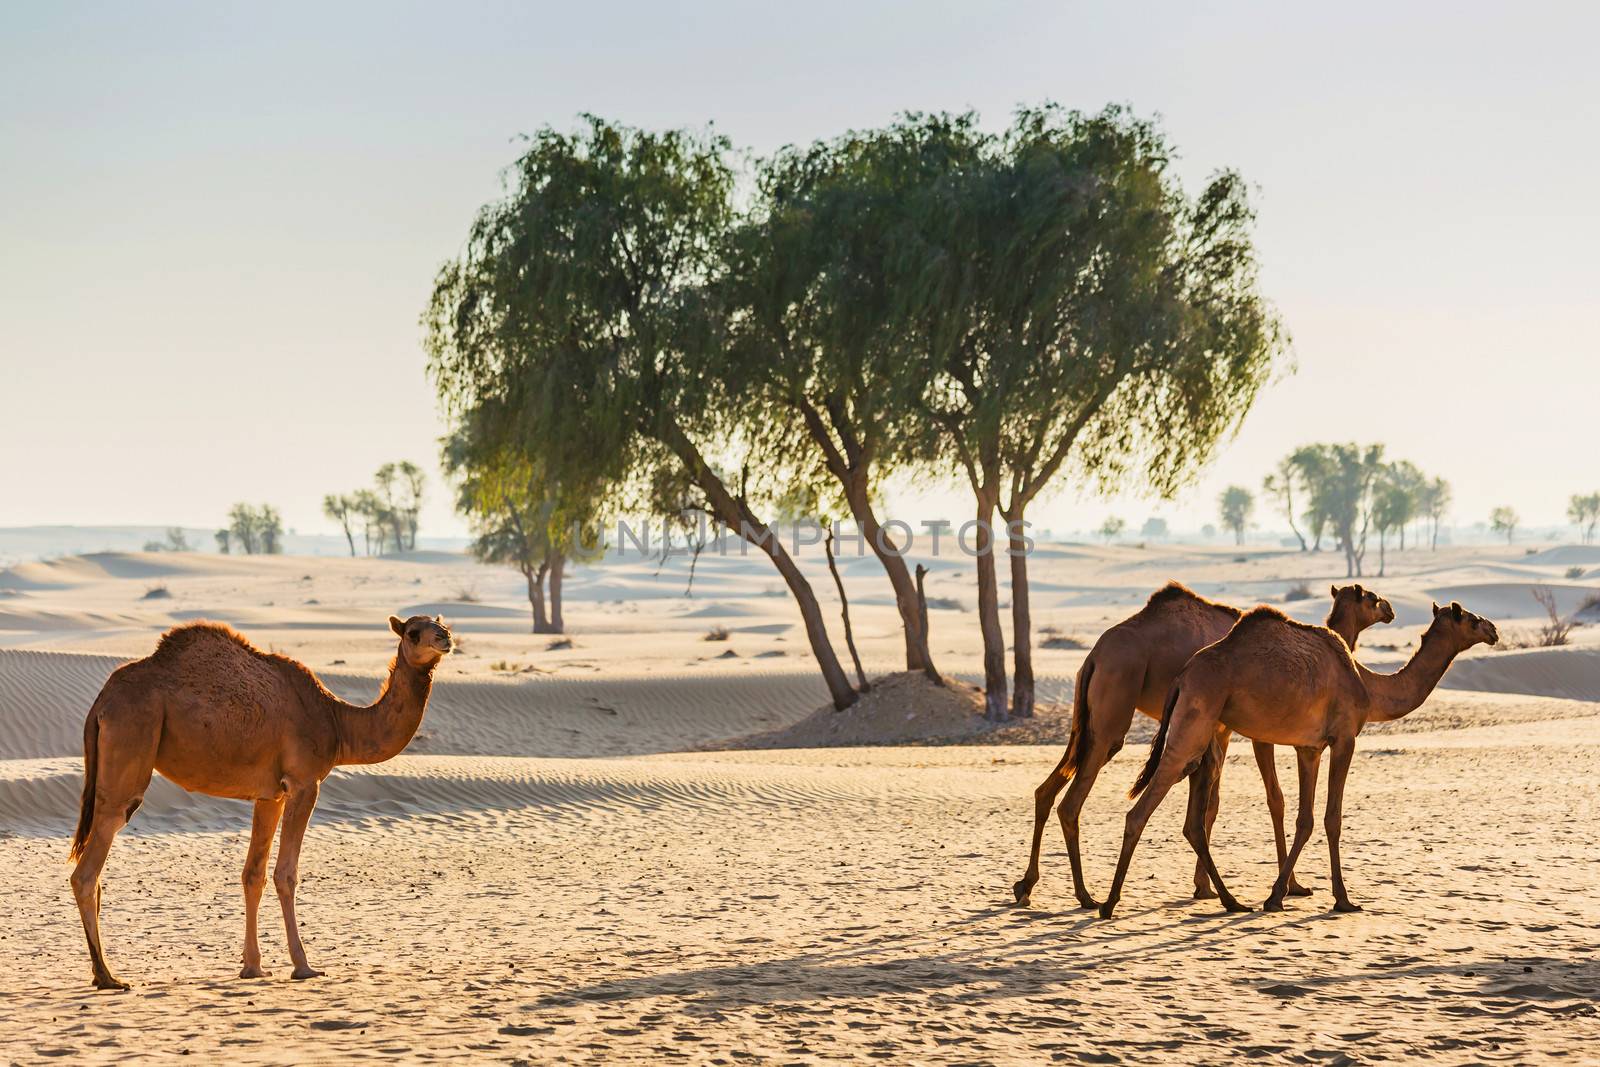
(398, 625)
(1436, 609)
(1359, 590)
(1455, 610)
(1333, 591)
(440, 620)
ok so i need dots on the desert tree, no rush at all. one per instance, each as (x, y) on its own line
(224, 539)
(341, 508)
(811, 285)
(254, 529)
(1154, 529)
(584, 306)
(1583, 510)
(1340, 480)
(1112, 528)
(1392, 507)
(1435, 504)
(1504, 520)
(520, 517)
(1280, 486)
(1234, 508)
(1074, 310)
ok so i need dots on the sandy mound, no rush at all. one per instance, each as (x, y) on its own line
(903, 708)
(1513, 600)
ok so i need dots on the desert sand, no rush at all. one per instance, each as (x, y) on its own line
(615, 851)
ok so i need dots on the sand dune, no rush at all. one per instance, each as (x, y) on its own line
(550, 873)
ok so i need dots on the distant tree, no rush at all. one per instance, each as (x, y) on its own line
(1112, 528)
(519, 517)
(1340, 480)
(1208, 531)
(1154, 529)
(1584, 511)
(1234, 507)
(1409, 486)
(269, 527)
(1280, 485)
(1504, 520)
(1391, 509)
(224, 541)
(341, 508)
(1435, 503)
(254, 529)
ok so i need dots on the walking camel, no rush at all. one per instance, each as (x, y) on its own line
(216, 715)
(1284, 683)
(1130, 668)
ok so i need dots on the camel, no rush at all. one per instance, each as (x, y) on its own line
(1131, 668)
(1284, 683)
(217, 715)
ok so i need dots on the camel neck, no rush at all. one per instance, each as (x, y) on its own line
(1345, 627)
(1391, 696)
(379, 732)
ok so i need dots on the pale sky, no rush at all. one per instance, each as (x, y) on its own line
(220, 223)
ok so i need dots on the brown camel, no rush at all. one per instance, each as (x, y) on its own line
(1131, 668)
(217, 715)
(1284, 683)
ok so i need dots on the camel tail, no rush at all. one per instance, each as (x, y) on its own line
(91, 767)
(1157, 746)
(1078, 735)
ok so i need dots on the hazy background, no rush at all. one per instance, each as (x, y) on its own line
(220, 225)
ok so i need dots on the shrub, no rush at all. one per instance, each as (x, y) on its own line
(558, 643)
(717, 633)
(1299, 592)
(156, 592)
(1574, 572)
(1556, 631)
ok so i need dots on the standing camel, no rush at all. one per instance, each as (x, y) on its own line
(1131, 668)
(216, 715)
(1284, 683)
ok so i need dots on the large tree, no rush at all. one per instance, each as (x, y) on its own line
(1584, 511)
(1070, 306)
(582, 309)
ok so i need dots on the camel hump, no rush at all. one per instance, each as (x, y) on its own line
(1176, 595)
(184, 639)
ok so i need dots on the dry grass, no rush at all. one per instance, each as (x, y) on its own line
(1556, 630)
(1574, 573)
(157, 592)
(558, 643)
(1053, 637)
(717, 633)
(1299, 592)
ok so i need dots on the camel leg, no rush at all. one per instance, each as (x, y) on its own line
(1338, 769)
(1185, 744)
(265, 822)
(1307, 759)
(1071, 807)
(1269, 778)
(1196, 825)
(1043, 798)
(1202, 883)
(286, 874)
(86, 890)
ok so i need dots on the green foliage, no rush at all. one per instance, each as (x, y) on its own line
(1112, 528)
(388, 513)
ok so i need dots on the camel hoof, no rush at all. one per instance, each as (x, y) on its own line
(1346, 906)
(106, 981)
(1106, 909)
(1023, 892)
(254, 972)
(1088, 903)
(303, 972)
(1298, 890)
(1204, 893)
(1234, 907)
(1272, 904)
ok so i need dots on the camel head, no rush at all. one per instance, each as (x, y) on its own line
(1363, 605)
(1463, 627)
(424, 640)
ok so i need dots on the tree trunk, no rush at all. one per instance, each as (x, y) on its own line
(736, 516)
(350, 537)
(844, 612)
(918, 656)
(536, 597)
(994, 641)
(558, 565)
(1383, 562)
(1022, 690)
